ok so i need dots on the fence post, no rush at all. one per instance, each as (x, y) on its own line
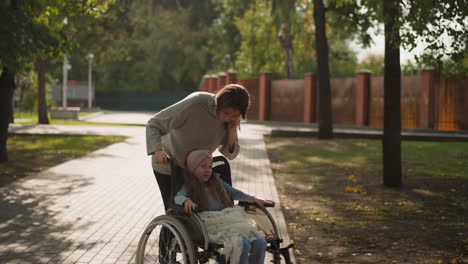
(426, 98)
(362, 98)
(231, 77)
(264, 96)
(221, 81)
(212, 83)
(310, 88)
(204, 83)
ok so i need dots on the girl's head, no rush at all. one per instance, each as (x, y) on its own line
(199, 180)
(232, 102)
(199, 164)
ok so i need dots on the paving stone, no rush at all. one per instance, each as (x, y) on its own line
(94, 209)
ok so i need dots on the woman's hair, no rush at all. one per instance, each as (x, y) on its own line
(198, 191)
(233, 96)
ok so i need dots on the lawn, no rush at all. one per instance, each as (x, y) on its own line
(32, 154)
(30, 118)
(339, 212)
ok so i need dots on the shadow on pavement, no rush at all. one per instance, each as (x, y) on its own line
(32, 227)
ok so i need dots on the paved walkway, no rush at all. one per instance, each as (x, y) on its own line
(93, 209)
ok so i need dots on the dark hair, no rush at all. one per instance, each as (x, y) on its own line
(233, 96)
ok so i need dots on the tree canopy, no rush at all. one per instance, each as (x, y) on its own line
(31, 28)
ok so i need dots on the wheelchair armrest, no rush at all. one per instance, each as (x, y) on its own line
(179, 210)
(243, 203)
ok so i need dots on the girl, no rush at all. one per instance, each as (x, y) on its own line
(228, 225)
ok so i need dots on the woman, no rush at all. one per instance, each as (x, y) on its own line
(199, 121)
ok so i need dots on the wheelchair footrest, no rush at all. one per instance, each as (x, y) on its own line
(285, 252)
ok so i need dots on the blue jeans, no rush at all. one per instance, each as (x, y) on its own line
(256, 249)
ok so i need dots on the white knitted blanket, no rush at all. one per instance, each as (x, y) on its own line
(229, 227)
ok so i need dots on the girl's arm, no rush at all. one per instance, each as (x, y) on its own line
(181, 196)
(236, 194)
(182, 199)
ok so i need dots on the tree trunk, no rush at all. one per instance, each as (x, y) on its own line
(324, 94)
(42, 101)
(391, 141)
(12, 115)
(7, 86)
(286, 41)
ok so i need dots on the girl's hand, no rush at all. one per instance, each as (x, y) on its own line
(189, 206)
(161, 157)
(262, 202)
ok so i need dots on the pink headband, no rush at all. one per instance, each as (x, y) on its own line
(196, 157)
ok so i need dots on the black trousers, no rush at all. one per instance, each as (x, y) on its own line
(164, 183)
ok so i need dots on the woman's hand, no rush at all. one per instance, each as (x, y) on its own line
(189, 206)
(233, 124)
(161, 157)
(262, 202)
(231, 128)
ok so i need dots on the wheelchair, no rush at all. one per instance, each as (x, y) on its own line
(179, 237)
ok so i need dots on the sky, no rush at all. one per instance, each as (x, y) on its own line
(378, 47)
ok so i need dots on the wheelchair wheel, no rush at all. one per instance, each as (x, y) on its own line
(165, 241)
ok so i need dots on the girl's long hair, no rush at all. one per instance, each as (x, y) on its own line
(198, 191)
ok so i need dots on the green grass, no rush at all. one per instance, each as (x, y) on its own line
(32, 154)
(437, 159)
(345, 180)
(30, 118)
(33, 115)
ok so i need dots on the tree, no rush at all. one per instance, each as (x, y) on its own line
(283, 12)
(407, 23)
(336, 8)
(32, 29)
(12, 45)
(391, 141)
(7, 86)
(163, 47)
(374, 63)
(325, 108)
(259, 49)
(42, 101)
(224, 35)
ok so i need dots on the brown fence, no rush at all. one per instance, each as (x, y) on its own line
(451, 103)
(410, 87)
(343, 100)
(376, 99)
(252, 86)
(426, 101)
(287, 100)
(410, 96)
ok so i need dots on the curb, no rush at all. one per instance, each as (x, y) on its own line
(91, 116)
(370, 134)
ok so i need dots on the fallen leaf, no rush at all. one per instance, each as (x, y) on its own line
(352, 178)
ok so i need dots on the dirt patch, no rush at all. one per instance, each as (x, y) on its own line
(339, 212)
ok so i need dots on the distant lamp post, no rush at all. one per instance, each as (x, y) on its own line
(66, 67)
(90, 57)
